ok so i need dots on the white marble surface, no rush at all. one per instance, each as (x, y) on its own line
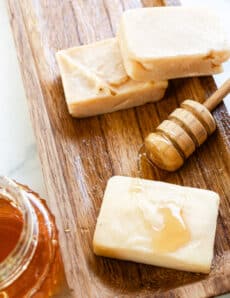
(18, 154)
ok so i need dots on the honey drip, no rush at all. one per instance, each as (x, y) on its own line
(144, 164)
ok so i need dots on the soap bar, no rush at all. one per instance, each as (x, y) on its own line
(96, 82)
(157, 223)
(171, 42)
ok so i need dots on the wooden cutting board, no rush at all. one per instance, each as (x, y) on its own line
(78, 156)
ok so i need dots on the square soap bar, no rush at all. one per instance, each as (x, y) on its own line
(172, 42)
(95, 81)
(157, 223)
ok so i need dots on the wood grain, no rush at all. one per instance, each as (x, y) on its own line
(78, 156)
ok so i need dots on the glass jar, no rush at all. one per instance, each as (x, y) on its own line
(30, 261)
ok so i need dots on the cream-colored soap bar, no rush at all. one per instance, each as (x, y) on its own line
(157, 223)
(95, 81)
(171, 42)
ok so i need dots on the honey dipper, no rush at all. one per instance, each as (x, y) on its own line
(185, 129)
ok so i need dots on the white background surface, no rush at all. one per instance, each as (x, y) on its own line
(18, 154)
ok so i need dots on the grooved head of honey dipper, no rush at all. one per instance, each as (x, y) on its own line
(201, 113)
(161, 151)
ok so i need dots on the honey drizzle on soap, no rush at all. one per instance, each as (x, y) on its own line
(174, 233)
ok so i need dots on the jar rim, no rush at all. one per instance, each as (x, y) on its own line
(19, 258)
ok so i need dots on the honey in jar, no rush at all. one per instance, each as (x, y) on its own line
(30, 260)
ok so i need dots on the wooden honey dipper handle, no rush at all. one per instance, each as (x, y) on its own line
(186, 128)
(217, 96)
